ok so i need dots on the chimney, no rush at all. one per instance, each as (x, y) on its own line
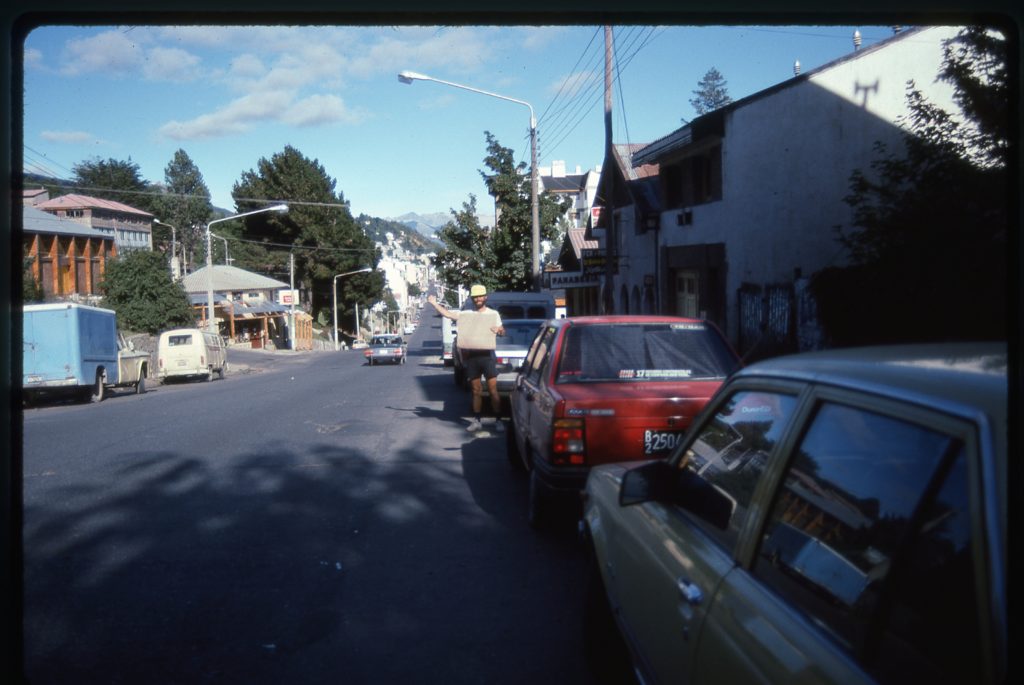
(796, 68)
(558, 168)
(856, 40)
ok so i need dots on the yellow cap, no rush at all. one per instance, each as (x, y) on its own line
(477, 291)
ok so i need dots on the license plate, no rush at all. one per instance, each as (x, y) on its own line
(656, 442)
(182, 362)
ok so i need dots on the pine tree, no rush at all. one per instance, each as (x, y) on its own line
(112, 179)
(185, 205)
(318, 229)
(712, 92)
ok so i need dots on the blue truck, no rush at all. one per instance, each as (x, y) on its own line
(75, 349)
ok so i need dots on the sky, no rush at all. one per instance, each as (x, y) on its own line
(230, 96)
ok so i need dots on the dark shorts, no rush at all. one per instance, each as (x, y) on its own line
(479, 363)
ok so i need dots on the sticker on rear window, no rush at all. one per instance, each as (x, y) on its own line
(655, 373)
(688, 326)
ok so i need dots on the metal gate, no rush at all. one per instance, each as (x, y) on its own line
(767, 320)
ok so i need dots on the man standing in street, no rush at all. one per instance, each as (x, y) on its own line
(478, 330)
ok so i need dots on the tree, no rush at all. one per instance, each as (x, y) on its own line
(318, 229)
(185, 204)
(113, 179)
(712, 92)
(31, 291)
(500, 258)
(414, 289)
(138, 286)
(928, 247)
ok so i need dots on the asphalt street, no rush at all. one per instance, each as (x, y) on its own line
(308, 519)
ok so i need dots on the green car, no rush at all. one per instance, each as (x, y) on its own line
(831, 517)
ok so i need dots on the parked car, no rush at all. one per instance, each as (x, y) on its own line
(833, 517)
(191, 353)
(511, 351)
(595, 390)
(385, 348)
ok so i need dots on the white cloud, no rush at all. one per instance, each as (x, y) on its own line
(33, 58)
(112, 52)
(247, 66)
(67, 136)
(321, 109)
(237, 117)
(170, 64)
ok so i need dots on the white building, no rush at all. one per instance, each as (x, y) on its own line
(751, 194)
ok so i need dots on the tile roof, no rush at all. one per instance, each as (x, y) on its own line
(76, 201)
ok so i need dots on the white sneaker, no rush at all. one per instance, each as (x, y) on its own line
(474, 426)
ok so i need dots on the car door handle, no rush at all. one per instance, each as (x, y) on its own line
(689, 591)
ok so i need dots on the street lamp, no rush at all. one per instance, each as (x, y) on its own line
(335, 301)
(175, 272)
(209, 261)
(227, 261)
(409, 76)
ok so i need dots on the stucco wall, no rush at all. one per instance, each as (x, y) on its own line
(787, 159)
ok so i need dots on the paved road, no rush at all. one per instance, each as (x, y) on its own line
(309, 519)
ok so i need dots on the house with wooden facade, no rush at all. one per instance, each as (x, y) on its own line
(131, 228)
(67, 258)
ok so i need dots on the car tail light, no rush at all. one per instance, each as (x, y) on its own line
(568, 444)
(160, 362)
(366, 353)
(202, 361)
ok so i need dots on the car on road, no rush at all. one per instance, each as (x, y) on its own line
(511, 350)
(605, 389)
(359, 344)
(831, 517)
(388, 349)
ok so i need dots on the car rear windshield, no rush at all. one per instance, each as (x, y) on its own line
(644, 352)
(175, 340)
(518, 335)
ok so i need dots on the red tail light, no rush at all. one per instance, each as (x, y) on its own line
(366, 353)
(568, 443)
(202, 361)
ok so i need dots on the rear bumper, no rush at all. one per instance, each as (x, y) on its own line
(562, 480)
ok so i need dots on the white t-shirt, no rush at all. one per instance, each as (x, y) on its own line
(475, 329)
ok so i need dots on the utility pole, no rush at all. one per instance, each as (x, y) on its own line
(609, 171)
(291, 296)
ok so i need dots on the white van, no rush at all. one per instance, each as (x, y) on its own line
(186, 352)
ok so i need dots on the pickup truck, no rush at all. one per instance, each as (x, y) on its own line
(74, 349)
(385, 348)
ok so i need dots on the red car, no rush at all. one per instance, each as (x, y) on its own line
(605, 389)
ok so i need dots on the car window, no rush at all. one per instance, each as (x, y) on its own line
(539, 353)
(731, 450)
(862, 538)
(518, 335)
(644, 352)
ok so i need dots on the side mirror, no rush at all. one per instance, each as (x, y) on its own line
(660, 482)
(648, 483)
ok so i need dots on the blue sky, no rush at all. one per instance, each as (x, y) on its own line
(230, 96)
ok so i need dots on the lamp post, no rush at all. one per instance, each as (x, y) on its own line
(210, 324)
(175, 271)
(409, 76)
(227, 261)
(335, 301)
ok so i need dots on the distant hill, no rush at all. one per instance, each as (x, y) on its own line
(430, 224)
(413, 240)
